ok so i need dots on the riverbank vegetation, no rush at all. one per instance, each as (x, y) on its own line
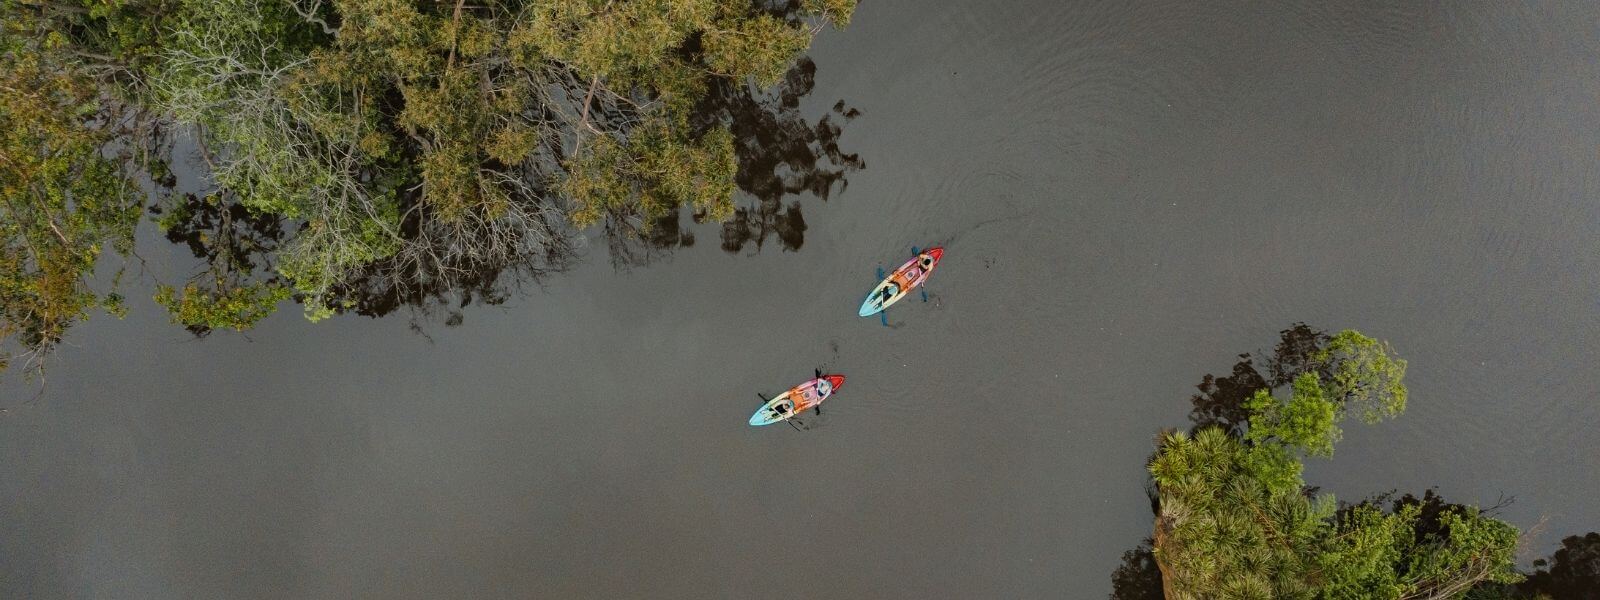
(357, 155)
(1234, 517)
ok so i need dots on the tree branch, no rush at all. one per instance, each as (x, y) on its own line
(310, 15)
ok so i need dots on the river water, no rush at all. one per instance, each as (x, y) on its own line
(1129, 194)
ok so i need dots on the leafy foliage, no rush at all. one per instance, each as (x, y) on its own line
(409, 147)
(237, 308)
(62, 201)
(424, 142)
(1306, 421)
(1364, 374)
(1223, 533)
(1235, 521)
(1419, 548)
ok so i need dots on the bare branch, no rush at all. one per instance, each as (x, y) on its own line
(309, 13)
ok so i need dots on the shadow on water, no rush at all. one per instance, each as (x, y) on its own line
(1573, 571)
(214, 231)
(236, 244)
(1138, 577)
(780, 154)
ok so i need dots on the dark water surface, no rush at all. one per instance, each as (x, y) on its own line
(1130, 194)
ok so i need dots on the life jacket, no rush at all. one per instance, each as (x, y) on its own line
(797, 399)
(903, 279)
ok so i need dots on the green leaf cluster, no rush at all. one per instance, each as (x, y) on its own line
(1221, 531)
(237, 308)
(1406, 553)
(1365, 375)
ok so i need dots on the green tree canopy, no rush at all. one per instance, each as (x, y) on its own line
(409, 145)
(1234, 519)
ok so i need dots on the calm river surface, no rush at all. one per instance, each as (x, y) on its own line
(1130, 194)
